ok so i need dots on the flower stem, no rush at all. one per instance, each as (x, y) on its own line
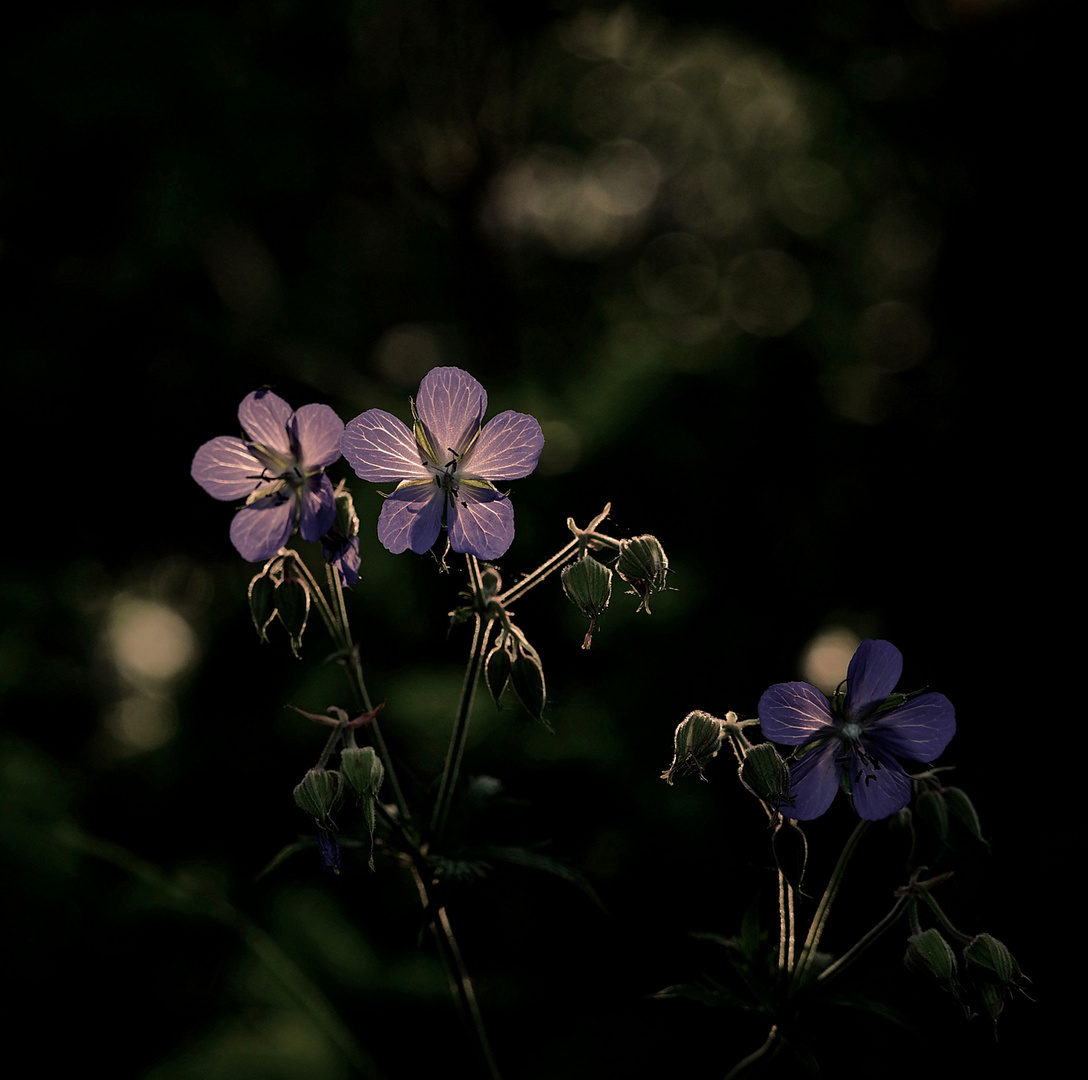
(769, 1049)
(863, 943)
(448, 783)
(819, 922)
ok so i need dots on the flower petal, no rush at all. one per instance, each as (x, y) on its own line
(792, 713)
(225, 469)
(347, 560)
(880, 791)
(411, 517)
(264, 418)
(918, 730)
(318, 508)
(813, 782)
(316, 431)
(874, 670)
(451, 405)
(508, 448)
(259, 530)
(381, 449)
(481, 522)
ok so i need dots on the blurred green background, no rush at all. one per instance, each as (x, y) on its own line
(787, 283)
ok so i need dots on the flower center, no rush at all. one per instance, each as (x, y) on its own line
(851, 731)
(446, 478)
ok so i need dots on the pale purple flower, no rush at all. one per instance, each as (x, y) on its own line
(858, 737)
(278, 469)
(446, 468)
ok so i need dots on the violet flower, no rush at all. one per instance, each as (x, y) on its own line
(278, 469)
(445, 469)
(857, 738)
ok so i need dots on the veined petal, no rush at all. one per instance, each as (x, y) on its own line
(508, 448)
(917, 730)
(878, 788)
(259, 530)
(451, 405)
(480, 522)
(813, 782)
(316, 431)
(874, 670)
(381, 449)
(264, 418)
(225, 468)
(318, 508)
(411, 517)
(792, 713)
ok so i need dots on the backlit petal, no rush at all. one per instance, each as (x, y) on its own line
(318, 508)
(411, 518)
(381, 449)
(259, 530)
(872, 675)
(793, 713)
(481, 522)
(917, 730)
(316, 431)
(813, 782)
(508, 448)
(451, 405)
(264, 418)
(225, 469)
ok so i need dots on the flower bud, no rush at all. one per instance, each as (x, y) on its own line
(790, 849)
(527, 678)
(588, 585)
(697, 739)
(766, 775)
(363, 772)
(930, 954)
(262, 603)
(320, 794)
(497, 671)
(643, 565)
(995, 972)
(293, 608)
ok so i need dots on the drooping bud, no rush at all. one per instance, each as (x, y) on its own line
(363, 773)
(790, 848)
(341, 542)
(527, 678)
(698, 738)
(293, 608)
(320, 794)
(642, 563)
(588, 585)
(766, 775)
(262, 603)
(929, 954)
(497, 671)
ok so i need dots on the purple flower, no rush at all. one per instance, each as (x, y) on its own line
(278, 469)
(446, 467)
(859, 737)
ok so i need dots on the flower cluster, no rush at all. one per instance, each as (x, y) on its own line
(445, 469)
(857, 738)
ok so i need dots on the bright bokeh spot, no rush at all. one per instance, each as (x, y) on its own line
(827, 656)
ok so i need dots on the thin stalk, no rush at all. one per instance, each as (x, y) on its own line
(819, 922)
(768, 1050)
(863, 943)
(448, 783)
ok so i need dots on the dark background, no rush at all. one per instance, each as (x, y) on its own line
(790, 284)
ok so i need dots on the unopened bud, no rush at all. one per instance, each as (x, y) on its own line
(790, 848)
(697, 739)
(293, 608)
(588, 585)
(527, 678)
(642, 563)
(930, 954)
(497, 671)
(320, 794)
(766, 775)
(262, 603)
(363, 773)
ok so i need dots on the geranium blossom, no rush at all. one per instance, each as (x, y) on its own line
(445, 469)
(278, 469)
(859, 737)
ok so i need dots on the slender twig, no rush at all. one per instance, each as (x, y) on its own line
(769, 1048)
(863, 943)
(459, 735)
